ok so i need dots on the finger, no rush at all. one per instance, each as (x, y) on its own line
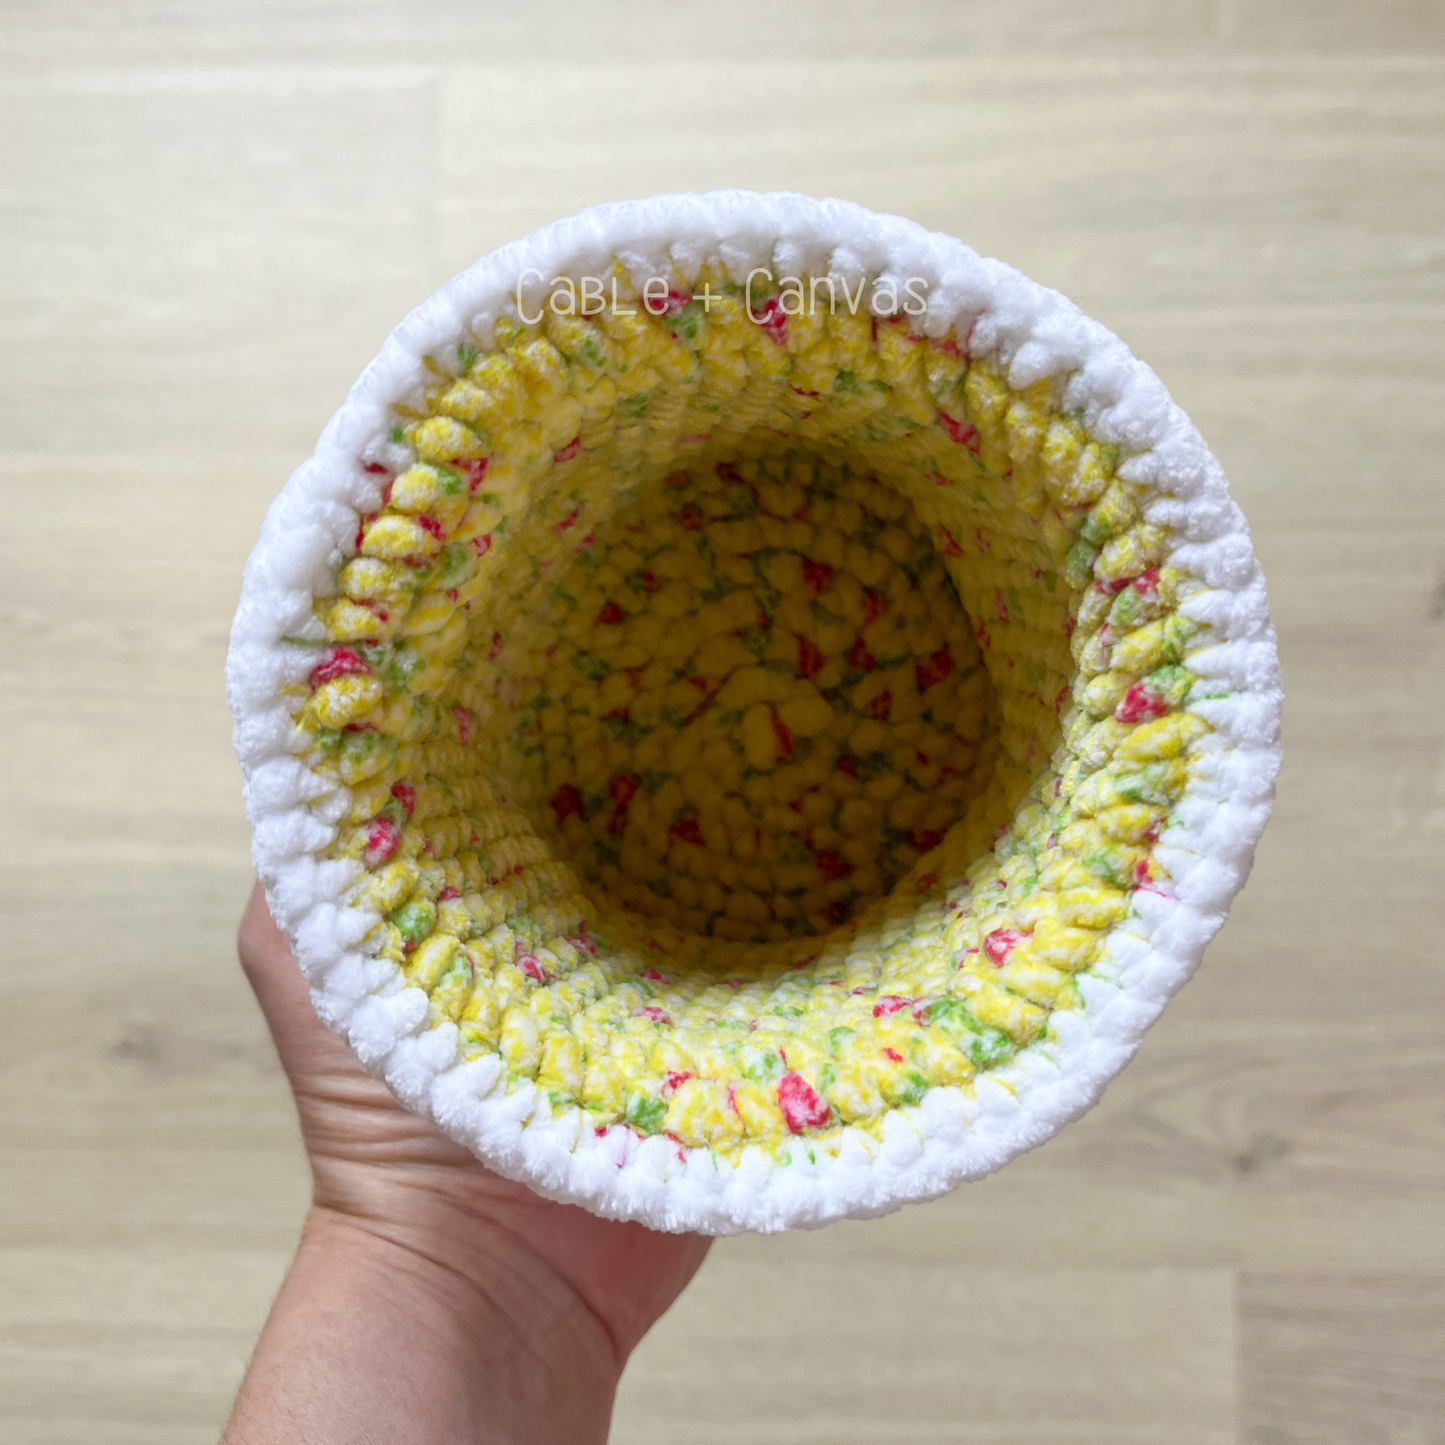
(303, 1042)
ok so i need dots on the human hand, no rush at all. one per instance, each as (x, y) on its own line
(431, 1299)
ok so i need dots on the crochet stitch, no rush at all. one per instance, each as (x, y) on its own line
(747, 756)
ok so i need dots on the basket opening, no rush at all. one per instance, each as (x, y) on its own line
(735, 674)
(736, 713)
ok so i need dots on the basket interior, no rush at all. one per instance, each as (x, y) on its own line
(753, 716)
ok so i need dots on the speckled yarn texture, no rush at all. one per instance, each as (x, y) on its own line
(751, 711)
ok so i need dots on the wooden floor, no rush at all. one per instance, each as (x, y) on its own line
(211, 212)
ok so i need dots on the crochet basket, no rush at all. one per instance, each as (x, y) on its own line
(751, 710)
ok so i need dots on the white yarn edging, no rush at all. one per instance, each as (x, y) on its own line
(950, 1136)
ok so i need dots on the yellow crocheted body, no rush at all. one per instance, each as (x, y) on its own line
(753, 717)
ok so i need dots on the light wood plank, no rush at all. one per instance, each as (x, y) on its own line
(1346, 26)
(205, 260)
(379, 32)
(1342, 1360)
(442, 32)
(97, 1340)
(772, 1345)
(125, 572)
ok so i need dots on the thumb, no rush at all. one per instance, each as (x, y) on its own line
(305, 1045)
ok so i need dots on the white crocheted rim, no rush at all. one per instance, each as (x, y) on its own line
(951, 1135)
